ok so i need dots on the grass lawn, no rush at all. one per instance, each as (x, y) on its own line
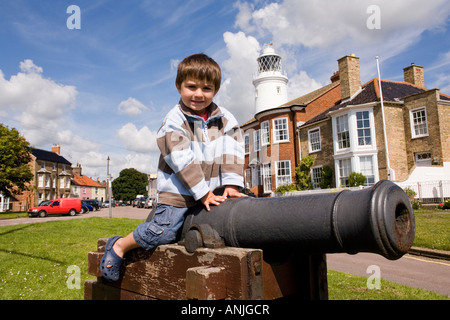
(37, 259)
(432, 229)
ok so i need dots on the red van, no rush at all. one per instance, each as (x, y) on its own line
(70, 206)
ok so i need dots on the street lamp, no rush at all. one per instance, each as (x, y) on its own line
(108, 177)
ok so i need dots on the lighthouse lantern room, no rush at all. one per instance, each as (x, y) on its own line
(270, 82)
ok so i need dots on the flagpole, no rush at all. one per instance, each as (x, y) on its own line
(384, 123)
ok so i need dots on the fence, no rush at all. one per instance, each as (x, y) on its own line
(427, 192)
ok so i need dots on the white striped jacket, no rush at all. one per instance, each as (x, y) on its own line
(198, 156)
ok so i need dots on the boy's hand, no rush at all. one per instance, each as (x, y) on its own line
(211, 198)
(232, 192)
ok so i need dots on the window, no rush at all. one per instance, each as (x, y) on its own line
(280, 130)
(247, 143)
(423, 159)
(314, 140)
(342, 132)
(42, 164)
(267, 177)
(61, 182)
(283, 172)
(248, 178)
(316, 177)
(366, 165)
(256, 176)
(265, 136)
(54, 166)
(363, 127)
(419, 126)
(256, 141)
(345, 166)
(40, 180)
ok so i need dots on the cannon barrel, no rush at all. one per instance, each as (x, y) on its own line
(378, 219)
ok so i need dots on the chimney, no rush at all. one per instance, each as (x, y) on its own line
(349, 75)
(335, 77)
(56, 148)
(414, 74)
(77, 169)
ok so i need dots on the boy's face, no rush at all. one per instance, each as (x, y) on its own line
(197, 94)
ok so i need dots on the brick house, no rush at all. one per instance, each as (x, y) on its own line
(350, 136)
(85, 187)
(52, 173)
(341, 126)
(272, 141)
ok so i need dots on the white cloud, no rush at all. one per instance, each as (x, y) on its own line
(236, 92)
(38, 104)
(329, 23)
(140, 141)
(131, 107)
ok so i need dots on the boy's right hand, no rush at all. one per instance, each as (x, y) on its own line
(211, 198)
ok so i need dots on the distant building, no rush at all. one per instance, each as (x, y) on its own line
(52, 179)
(85, 187)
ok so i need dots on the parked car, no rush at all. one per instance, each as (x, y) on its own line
(96, 204)
(85, 208)
(149, 202)
(135, 202)
(141, 202)
(70, 206)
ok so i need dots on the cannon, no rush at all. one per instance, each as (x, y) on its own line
(378, 220)
(263, 248)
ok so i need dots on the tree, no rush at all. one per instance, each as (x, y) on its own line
(327, 177)
(15, 154)
(129, 184)
(303, 171)
(356, 179)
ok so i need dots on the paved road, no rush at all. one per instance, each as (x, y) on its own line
(410, 270)
(413, 271)
(116, 212)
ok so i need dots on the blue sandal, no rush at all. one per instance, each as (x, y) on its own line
(111, 262)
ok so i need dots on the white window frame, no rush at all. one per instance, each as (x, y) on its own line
(424, 122)
(312, 143)
(267, 177)
(342, 130)
(256, 141)
(265, 133)
(366, 138)
(246, 143)
(248, 178)
(257, 177)
(369, 173)
(316, 176)
(283, 167)
(343, 174)
(276, 130)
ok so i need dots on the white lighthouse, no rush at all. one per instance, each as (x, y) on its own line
(270, 83)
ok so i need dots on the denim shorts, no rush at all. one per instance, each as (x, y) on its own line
(162, 228)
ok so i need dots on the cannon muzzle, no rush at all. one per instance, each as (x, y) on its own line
(379, 220)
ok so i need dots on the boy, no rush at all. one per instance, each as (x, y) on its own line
(201, 149)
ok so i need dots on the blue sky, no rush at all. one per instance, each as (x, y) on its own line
(104, 89)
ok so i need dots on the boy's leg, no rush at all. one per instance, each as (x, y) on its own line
(162, 229)
(123, 245)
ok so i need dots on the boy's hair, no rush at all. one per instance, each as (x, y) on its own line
(199, 66)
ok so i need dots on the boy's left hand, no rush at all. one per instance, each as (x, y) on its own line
(233, 192)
